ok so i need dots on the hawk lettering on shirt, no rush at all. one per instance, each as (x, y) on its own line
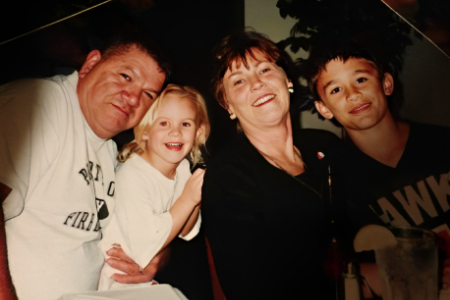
(426, 201)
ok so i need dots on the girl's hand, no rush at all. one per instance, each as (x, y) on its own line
(193, 188)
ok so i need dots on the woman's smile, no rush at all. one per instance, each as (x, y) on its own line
(263, 100)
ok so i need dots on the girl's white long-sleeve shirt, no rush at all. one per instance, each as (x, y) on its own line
(141, 222)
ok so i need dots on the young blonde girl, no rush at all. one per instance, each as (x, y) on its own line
(156, 196)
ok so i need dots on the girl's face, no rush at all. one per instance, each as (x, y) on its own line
(171, 136)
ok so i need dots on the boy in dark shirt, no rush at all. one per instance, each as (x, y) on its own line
(389, 171)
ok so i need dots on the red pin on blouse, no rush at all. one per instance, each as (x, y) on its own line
(320, 155)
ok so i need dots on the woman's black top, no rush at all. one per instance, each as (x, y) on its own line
(269, 231)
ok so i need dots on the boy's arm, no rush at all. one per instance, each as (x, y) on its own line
(191, 221)
(7, 291)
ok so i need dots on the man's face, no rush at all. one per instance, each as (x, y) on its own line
(116, 93)
(353, 93)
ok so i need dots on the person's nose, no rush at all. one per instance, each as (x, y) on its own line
(256, 83)
(353, 94)
(131, 96)
(175, 131)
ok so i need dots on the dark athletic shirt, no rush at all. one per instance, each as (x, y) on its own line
(416, 192)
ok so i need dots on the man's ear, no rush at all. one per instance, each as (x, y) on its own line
(388, 84)
(91, 60)
(323, 110)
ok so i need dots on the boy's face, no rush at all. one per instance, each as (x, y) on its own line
(353, 93)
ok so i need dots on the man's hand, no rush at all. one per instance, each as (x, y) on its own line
(133, 273)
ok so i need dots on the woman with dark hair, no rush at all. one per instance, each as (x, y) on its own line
(265, 197)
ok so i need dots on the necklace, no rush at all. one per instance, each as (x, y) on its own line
(281, 168)
(297, 153)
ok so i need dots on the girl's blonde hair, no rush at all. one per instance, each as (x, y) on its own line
(201, 120)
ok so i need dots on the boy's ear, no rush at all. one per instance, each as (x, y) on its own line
(91, 60)
(388, 84)
(323, 110)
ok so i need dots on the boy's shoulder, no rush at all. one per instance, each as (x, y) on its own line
(428, 132)
(422, 138)
(426, 129)
(429, 136)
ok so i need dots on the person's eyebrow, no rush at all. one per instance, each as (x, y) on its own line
(356, 72)
(131, 70)
(328, 84)
(237, 72)
(154, 91)
(362, 71)
(137, 75)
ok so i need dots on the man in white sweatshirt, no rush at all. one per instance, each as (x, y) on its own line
(57, 167)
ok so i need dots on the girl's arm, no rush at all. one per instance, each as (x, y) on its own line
(188, 201)
(191, 221)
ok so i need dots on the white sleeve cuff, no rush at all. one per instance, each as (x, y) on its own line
(194, 231)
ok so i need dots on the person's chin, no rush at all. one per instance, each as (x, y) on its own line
(366, 124)
(115, 126)
(274, 117)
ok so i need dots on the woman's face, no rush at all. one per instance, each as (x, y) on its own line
(258, 95)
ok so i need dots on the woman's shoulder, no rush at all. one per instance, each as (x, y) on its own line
(235, 153)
